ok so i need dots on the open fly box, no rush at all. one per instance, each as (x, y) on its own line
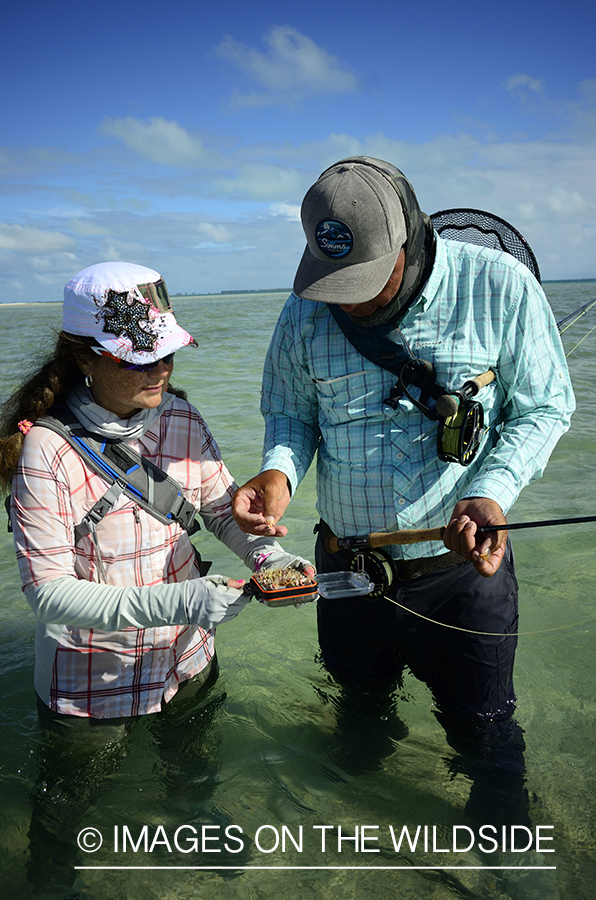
(283, 587)
(289, 587)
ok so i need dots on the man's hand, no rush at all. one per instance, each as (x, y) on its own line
(484, 550)
(261, 502)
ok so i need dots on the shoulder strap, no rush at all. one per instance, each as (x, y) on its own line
(385, 346)
(128, 473)
(7, 508)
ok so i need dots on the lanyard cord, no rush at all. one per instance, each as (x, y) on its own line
(490, 633)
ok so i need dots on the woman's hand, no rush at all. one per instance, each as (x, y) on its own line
(279, 559)
(484, 550)
(215, 599)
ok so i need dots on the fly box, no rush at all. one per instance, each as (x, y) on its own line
(283, 587)
(290, 587)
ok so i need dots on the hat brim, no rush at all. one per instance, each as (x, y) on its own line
(330, 282)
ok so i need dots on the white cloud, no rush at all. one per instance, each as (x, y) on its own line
(85, 228)
(530, 93)
(24, 239)
(216, 234)
(223, 248)
(583, 112)
(159, 140)
(522, 83)
(235, 222)
(286, 211)
(262, 181)
(293, 67)
(127, 251)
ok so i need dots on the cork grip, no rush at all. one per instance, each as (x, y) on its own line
(481, 380)
(409, 536)
(383, 538)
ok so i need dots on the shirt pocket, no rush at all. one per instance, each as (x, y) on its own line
(352, 397)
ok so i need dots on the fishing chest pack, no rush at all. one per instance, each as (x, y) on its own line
(129, 473)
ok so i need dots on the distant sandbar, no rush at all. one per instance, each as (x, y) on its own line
(34, 303)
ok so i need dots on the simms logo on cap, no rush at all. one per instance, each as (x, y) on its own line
(334, 238)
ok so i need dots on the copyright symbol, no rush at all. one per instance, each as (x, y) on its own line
(89, 840)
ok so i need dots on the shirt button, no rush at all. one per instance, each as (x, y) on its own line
(401, 501)
(400, 456)
(161, 659)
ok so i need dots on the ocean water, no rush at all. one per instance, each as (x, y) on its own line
(270, 771)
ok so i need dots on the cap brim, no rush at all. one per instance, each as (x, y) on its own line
(330, 282)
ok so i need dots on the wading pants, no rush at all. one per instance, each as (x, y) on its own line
(80, 756)
(365, 645)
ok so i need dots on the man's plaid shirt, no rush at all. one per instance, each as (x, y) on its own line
(378, 467)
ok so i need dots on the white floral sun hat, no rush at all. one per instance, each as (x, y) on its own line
(126, 308)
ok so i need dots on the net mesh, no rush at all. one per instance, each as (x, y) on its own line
(478, 227)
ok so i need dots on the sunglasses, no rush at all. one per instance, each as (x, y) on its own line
(134, 367)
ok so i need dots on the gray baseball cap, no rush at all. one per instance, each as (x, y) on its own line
(355, 228)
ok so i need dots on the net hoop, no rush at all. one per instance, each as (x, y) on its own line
(476, 226)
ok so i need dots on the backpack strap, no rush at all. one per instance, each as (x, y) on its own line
(7, 508)
(128, 471)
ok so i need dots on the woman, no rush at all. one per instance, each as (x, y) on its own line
(124, 620)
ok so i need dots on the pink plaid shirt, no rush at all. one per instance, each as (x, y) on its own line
(122, 673)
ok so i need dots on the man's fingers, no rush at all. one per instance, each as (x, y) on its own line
(260, 503)
(488, 565)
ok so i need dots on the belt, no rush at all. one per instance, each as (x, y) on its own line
(404, 569)
(407, 569)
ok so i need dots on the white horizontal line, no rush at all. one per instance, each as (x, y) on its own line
(345, 868)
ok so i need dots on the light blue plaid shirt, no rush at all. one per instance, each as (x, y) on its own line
(378, 468)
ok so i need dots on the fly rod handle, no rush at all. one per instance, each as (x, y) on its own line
(481, 381)
(407, 536)
(383, 538)
(448, 404)
(418, 535)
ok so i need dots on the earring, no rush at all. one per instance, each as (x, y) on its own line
(88, 380)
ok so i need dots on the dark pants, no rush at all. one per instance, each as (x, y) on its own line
(80, 756)
(366, 645)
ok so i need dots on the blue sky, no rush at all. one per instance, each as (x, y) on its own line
(183, 135)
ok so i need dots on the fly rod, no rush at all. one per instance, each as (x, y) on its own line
(418, 535)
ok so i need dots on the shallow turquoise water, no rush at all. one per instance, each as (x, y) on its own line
(270, 740)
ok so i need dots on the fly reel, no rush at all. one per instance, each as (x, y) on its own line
(378, 566)
(460, 419)
(460, 434)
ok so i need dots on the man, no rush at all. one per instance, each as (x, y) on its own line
(374, 270)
